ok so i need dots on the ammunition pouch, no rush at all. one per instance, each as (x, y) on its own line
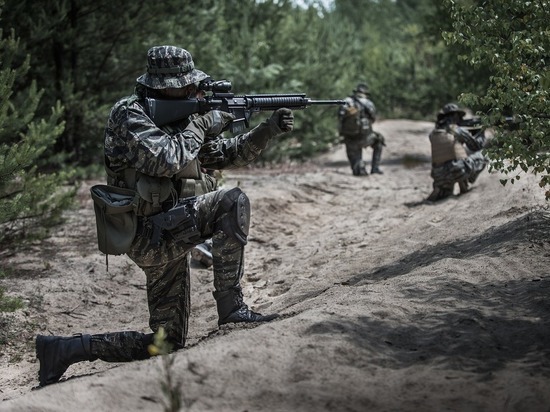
(191, 181)
(116, 220)
(152, 191)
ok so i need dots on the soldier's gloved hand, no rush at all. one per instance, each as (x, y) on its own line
(284, 119)
(280, 122)
(210, 124)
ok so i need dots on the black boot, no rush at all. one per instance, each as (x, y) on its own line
(440, 193)
(57, 353)
(376, 157)
(359, 169)
(232, 309)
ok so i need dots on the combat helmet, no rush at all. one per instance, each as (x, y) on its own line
(170, 67)
(362, 88)
(449, 109)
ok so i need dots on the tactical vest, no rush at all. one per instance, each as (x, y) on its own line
(445, 147)
(153, 193)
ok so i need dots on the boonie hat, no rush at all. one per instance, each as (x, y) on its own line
(170, 67)
(448, 109)
(362, 88)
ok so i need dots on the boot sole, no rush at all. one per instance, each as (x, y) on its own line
(265, 318)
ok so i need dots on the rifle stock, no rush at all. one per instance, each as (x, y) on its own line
(164, 112)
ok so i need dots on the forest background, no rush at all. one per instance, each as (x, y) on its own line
(65, 62)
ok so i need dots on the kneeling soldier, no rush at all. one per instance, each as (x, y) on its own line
(165, 167)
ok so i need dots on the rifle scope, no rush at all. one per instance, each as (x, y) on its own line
(219, 86)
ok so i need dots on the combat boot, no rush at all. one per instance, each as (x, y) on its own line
(440, 193)
(232, 309)
(376, 157)
(57, 353)
(359, 169)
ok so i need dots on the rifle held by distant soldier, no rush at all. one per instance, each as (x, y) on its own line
(475, 124)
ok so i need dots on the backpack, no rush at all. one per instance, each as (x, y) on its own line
(355, 119)
(350, 122)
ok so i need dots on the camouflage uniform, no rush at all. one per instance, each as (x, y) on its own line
(166, 166)
(456, 154)
(355, 126)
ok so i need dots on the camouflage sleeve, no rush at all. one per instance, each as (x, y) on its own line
(230, 153)
(370, 109)
(133, 140)
(474, 143)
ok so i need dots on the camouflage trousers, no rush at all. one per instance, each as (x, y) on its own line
(462, 171)
(354, 150)
(167, 271)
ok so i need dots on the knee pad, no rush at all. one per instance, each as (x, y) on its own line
(234, 215)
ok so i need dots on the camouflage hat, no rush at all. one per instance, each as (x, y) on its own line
(362, 88)
(170, 67)
(450, 108)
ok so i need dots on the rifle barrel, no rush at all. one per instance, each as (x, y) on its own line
(292, 101)
(328, 102)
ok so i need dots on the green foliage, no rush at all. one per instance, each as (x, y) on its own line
(30, 198)
(390, 46)
(7, 303)
(515, 39)
(87, 54)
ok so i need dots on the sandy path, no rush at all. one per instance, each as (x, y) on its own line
(388, 303)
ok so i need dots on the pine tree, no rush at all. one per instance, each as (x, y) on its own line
(31, 199)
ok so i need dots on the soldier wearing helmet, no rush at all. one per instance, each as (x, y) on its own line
(355, 120)
(456, 153)
(166, 168)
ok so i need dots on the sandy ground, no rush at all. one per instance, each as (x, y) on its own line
(389, 303)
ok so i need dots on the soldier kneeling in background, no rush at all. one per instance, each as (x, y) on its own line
(456, 154)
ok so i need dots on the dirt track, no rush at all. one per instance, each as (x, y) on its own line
(389, 303)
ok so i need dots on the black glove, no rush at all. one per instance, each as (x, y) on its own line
(210, 124)
(280, 122)
(284, 119)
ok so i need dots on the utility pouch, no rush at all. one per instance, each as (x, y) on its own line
(366, 126)
(116, 219)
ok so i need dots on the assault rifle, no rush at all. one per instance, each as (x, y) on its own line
(475, 124)
(164, 112)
